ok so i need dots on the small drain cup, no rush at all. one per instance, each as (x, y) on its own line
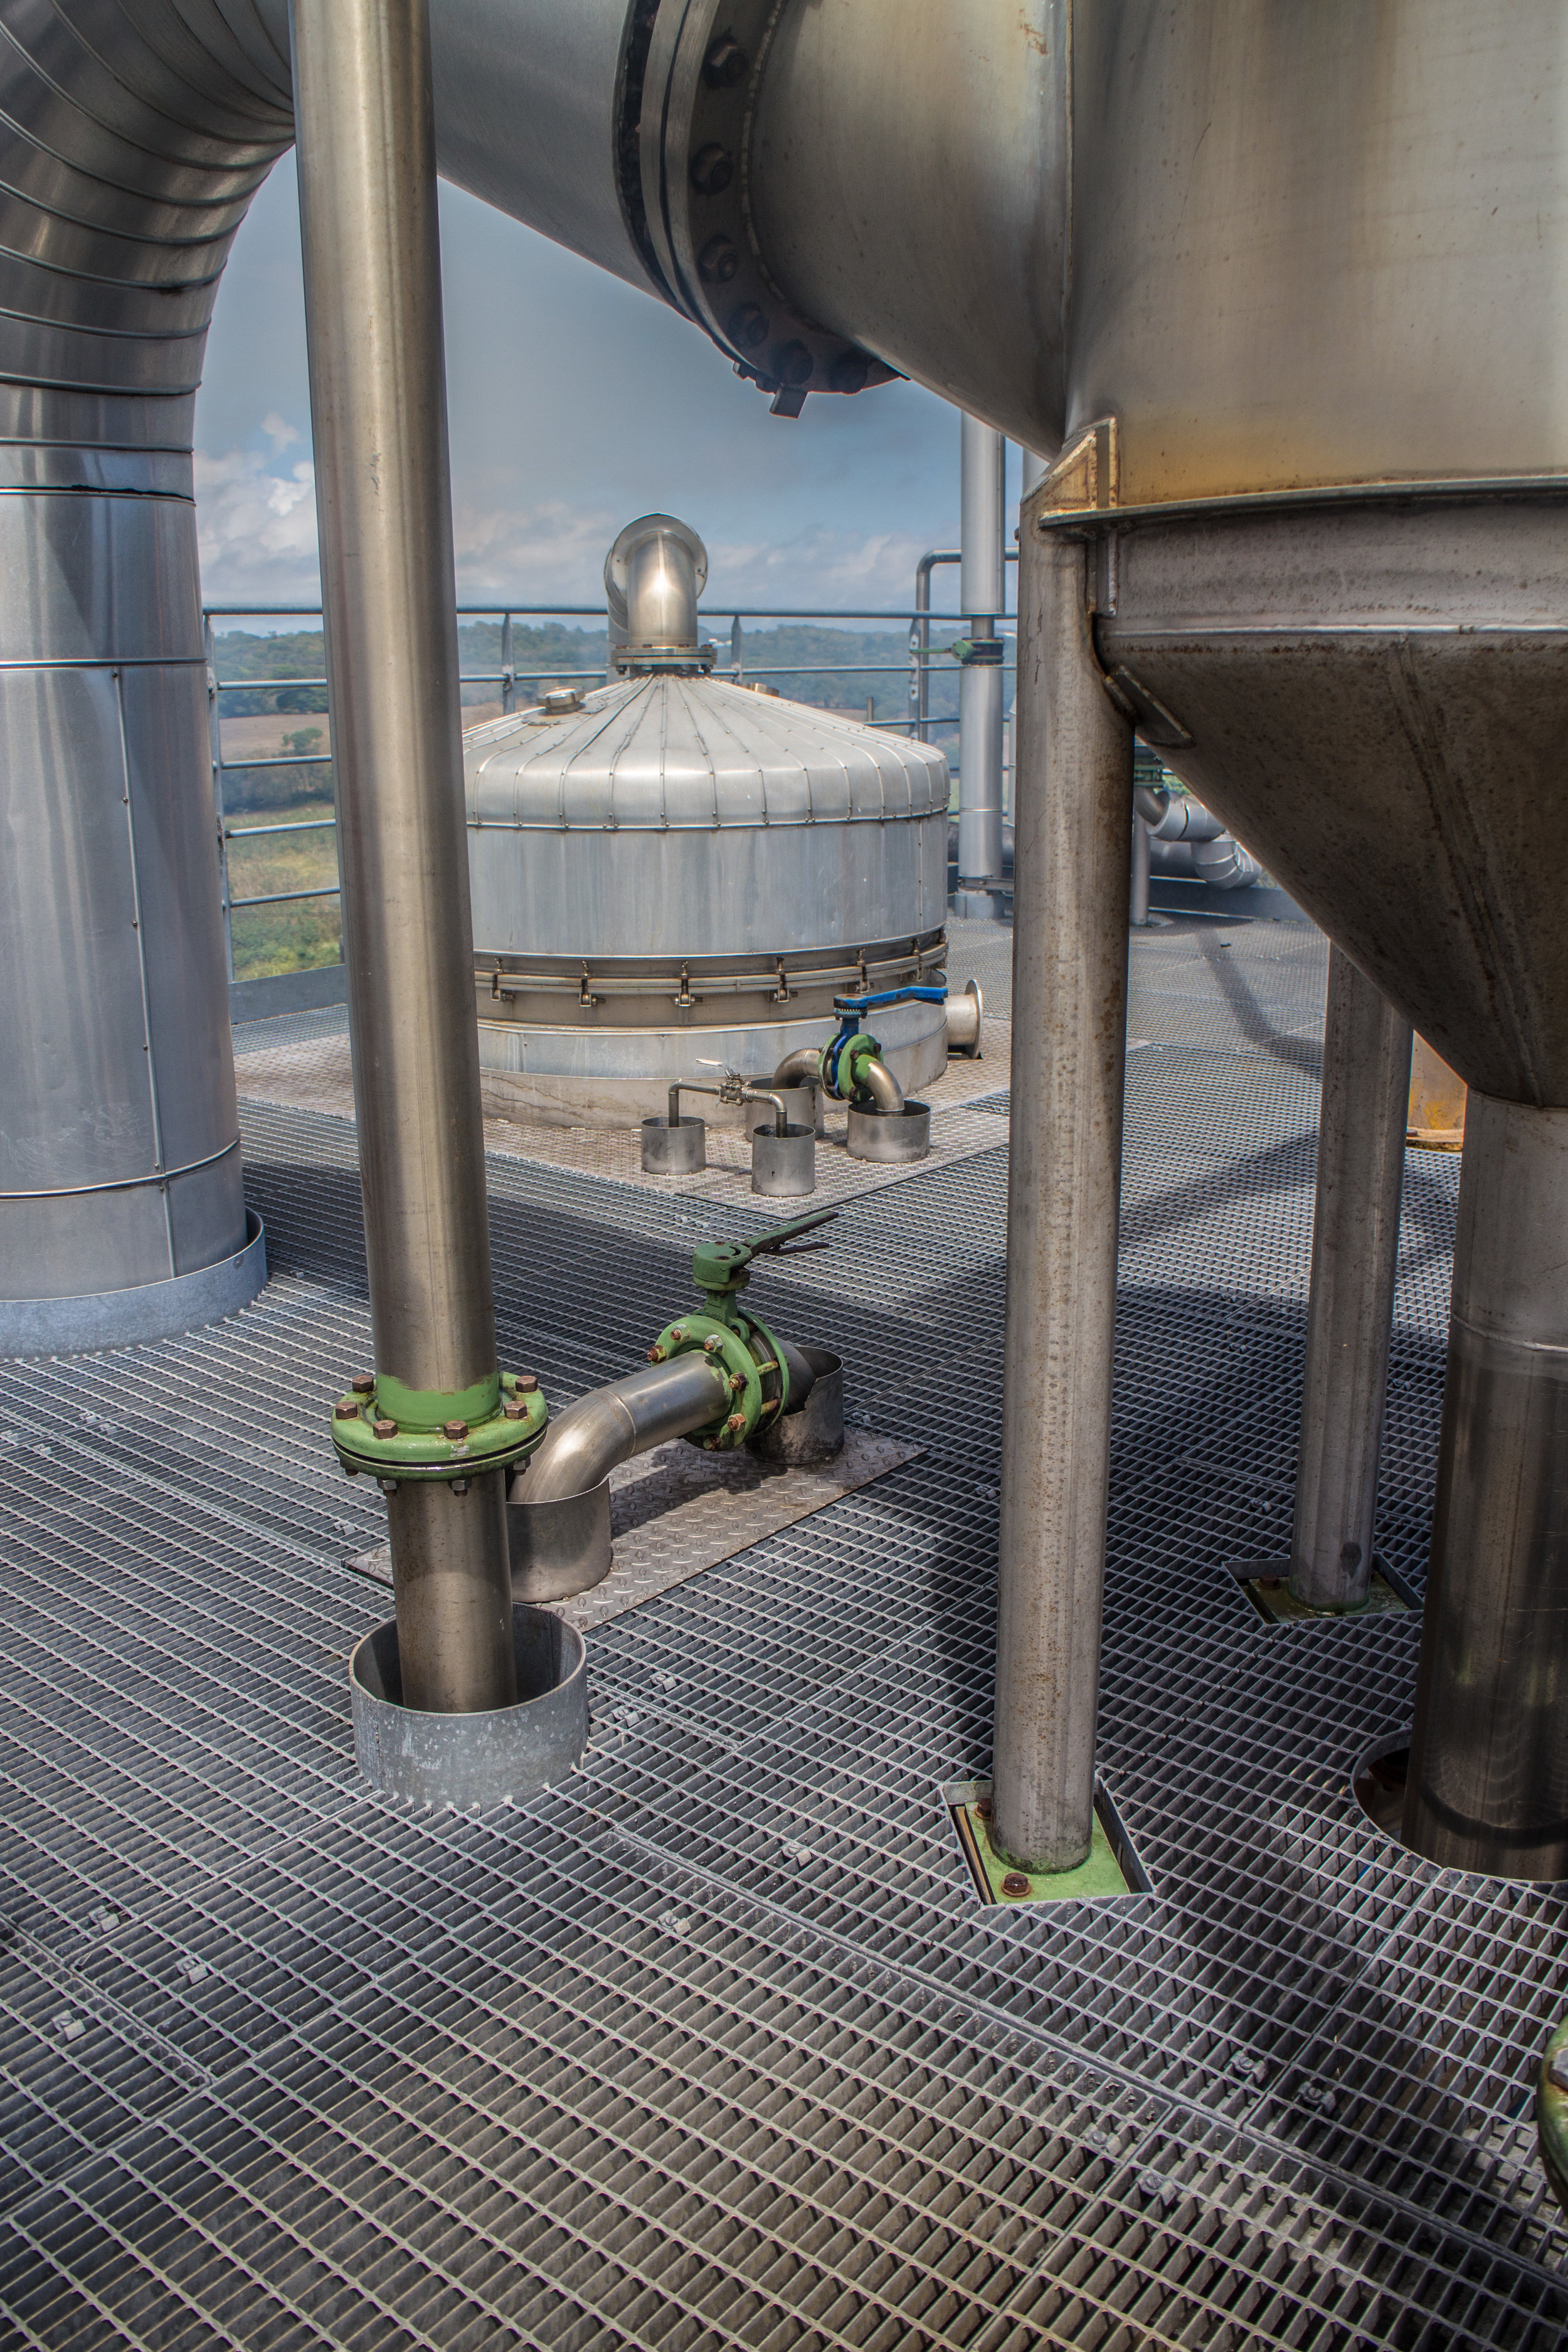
(894, 1137)
(677, 1151)
(784, 1166)
(470, 1763)
(815, 1434)
(560, 1547)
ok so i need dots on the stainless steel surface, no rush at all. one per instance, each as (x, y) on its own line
(966, 1015)
(1488, 1786)
(784, 1166)
(653, 576)
(673, 1149)
(373, 311)
(878, 131)
(887, 1095)
(1376, 691)
(1355, 1251)
(1317, 249)
(346, 2066)
(1071, 886)
(811, 1428)
(1138, 905)
(646, 1408)
(893, 1135)
(476, 1761)
(981, 594)
(451, 1605)
(562, 1547)
(148, 1310)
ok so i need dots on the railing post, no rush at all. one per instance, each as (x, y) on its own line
(215, 738)
(508, 678)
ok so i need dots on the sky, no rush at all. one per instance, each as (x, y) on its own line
(576, 404)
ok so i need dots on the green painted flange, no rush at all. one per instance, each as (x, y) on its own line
(1551, 2113)
(412, 1441)
(758, 1390)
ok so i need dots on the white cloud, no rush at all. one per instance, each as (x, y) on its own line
(279, 432)
(256, 530)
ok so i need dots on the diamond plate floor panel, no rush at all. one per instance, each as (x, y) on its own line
(712, 2046)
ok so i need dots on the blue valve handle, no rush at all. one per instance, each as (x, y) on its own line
(849, 1010)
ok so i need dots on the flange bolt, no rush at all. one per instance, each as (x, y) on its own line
(513, 1411)
(363, 1383)
(725, 63)
(526, 1383)
(345, 1410)
(454, 1430)
(1015, 1882)
(983, 1808)
(711, 1345)
(712, 169)
(737, 1421)
(384, 1428)
(655, 1355)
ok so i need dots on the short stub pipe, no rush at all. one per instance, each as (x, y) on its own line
(492, 1756)
(893, 1137)
(805, 1439)
(1487, 1783)
(784, 1167)
(965, 1013)
(561, 1547)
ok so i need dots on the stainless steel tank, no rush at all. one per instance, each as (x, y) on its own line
(675, 870)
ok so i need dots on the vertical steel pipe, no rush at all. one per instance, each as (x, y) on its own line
(1139, 912)
(982, 595)
(1487, 1783)
(1069, 1027)
(1355, 1254)
(373, 296)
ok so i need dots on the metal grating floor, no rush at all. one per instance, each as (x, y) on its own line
(714, 2046)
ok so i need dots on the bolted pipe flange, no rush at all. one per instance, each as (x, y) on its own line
(395, 1432)
(758, 1374)
(687, 193)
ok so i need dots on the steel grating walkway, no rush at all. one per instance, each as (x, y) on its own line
(712, 2046)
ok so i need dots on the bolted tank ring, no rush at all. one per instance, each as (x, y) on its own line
(702, 66)
(371, 1436)
(733, 1345)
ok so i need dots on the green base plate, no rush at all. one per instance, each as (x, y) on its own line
(1111, 1868)
(1270, 1594)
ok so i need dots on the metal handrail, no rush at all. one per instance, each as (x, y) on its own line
(509, 677)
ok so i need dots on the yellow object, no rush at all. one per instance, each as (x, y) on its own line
(1438, 1094)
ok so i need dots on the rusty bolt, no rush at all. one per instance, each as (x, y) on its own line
(526, 1383)
(983, 1807)
(712, 169)
(458, 1486)
(1015, 1882)
(345, 1410)
(1270, 1583)
(736, 1421)
(736, 1383)
(513, 1410)
(655, 1355)
(710, 1446)
(387, 1486)
(711, 1345)
(384, 1428)
(679, 1331)
(454, 1430)
(718, 261)
(725, 64)
(363, 1383)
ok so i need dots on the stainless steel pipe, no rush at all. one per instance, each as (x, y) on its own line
(649, 1407)
(1487, 1783)
(1355, 1254)
(373, 301)
(981, 594)
(1139, 913)
(1071, 881)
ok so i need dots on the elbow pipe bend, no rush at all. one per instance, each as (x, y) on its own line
(628, 1416)
(879, 1083)
(801, 1068)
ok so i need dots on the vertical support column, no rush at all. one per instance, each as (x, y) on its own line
(1355, 1253)
(1487, 1782)
(1139, 915)
(373, 297)
(980, 687)
(1073, 789)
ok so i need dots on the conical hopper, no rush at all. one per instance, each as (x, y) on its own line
(1371, 688)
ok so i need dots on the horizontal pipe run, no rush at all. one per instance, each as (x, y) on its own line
(649, 1407)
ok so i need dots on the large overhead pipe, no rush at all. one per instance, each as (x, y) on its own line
(982, 591)
(1071, 883)
(1356, 1255)
(372, 308)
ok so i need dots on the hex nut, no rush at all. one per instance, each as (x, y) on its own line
(678, 1333)
(725, 64)
(736, 1383)
(749, 327)
(655, 1355)
(718, 262)
(983, 1807)
(712, 169)
(513, 1411)
(363, 1383)
(526, 1383)
(454, 1430)
(345, 1410)
(794, 365)
(711, 1345)
(1015, 1882)
(384, 1428)
(736, 1421)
